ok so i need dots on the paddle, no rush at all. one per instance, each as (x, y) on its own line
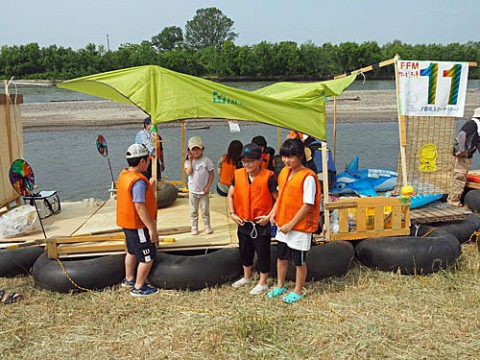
(164, 231)
(107, 235)
(26, 244)
(103, 150)
(22, 179)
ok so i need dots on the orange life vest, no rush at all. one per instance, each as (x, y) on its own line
(295, 134)
(255, 199)
(290, 200)
(265, 160)
(127, 216)
(228, 169)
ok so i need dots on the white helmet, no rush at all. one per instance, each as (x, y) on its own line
(136, 151)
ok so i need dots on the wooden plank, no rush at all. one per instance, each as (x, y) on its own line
(343, 220)
(438, 213)
(160, 231)
(472, 185)
(396, 217)
(379, 218)
(370, 234)
(368, 68)
(361, 219)
(341, 205)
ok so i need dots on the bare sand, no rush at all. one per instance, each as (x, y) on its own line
(352, 106)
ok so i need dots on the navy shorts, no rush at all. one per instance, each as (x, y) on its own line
(139, 244)
(285, 253)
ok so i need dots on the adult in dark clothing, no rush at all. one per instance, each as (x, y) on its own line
(468, 143)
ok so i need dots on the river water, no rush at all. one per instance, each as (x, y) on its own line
(68, 161)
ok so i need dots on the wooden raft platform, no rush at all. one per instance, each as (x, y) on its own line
(438, 212)
(472, 184)
(80, 230)
(99, 235)
(72, 217)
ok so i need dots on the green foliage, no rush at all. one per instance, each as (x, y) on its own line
(209, 27)
(170, 38)
(209, 50)
(285, 59)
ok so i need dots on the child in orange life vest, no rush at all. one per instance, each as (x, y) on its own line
(136, 214)
(250, 201)
(227, 165)
(296, 214)
(199, 169)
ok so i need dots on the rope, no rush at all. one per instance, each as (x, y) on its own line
(231, 314)
(476, 235)
(430, 231)
(364, 77)
(254, 232)
(71, 280)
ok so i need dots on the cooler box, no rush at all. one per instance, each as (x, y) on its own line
(46, 202)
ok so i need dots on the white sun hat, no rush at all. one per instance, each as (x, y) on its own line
(476, 113)
(136, 151)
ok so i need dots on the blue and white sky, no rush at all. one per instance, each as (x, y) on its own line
(76, 23)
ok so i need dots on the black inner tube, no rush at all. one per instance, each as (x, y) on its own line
(411, 254)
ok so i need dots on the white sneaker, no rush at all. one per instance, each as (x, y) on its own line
(242, 282)
(259, 289)
(208, 229)
(194, 230)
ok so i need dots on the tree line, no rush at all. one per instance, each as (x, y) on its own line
(207, 49)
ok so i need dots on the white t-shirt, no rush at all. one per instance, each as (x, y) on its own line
(198, 179)
(300, 240)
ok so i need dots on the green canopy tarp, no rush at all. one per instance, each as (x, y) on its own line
(167, 95)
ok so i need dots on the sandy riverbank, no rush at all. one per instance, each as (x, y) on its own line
(353, 106)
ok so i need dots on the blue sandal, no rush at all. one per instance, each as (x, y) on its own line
(292, 298)
(276, 292)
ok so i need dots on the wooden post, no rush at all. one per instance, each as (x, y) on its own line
(326, 197)
(182, 131)
(334, 128)
(279, 139)
(401, 126)
(8, 121)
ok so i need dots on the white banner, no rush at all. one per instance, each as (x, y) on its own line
(432, 88)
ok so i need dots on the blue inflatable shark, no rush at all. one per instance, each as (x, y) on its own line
(366, 182)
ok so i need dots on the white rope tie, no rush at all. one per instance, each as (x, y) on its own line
(254, 232)
(364, 77)
(417, 227)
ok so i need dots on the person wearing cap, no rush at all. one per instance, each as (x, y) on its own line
(199, 170)
(268, 153)
(250, 201)
(136, 214)
(147, 137)
(296, 214)
(468, 142)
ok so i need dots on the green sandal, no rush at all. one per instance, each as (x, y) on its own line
(292, 298)
(276, 292)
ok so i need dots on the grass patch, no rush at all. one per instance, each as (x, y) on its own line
(366, 314)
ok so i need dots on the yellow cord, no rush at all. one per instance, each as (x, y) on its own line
(476, 235)
(73, 282)
(228, 313)
(429, 231)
